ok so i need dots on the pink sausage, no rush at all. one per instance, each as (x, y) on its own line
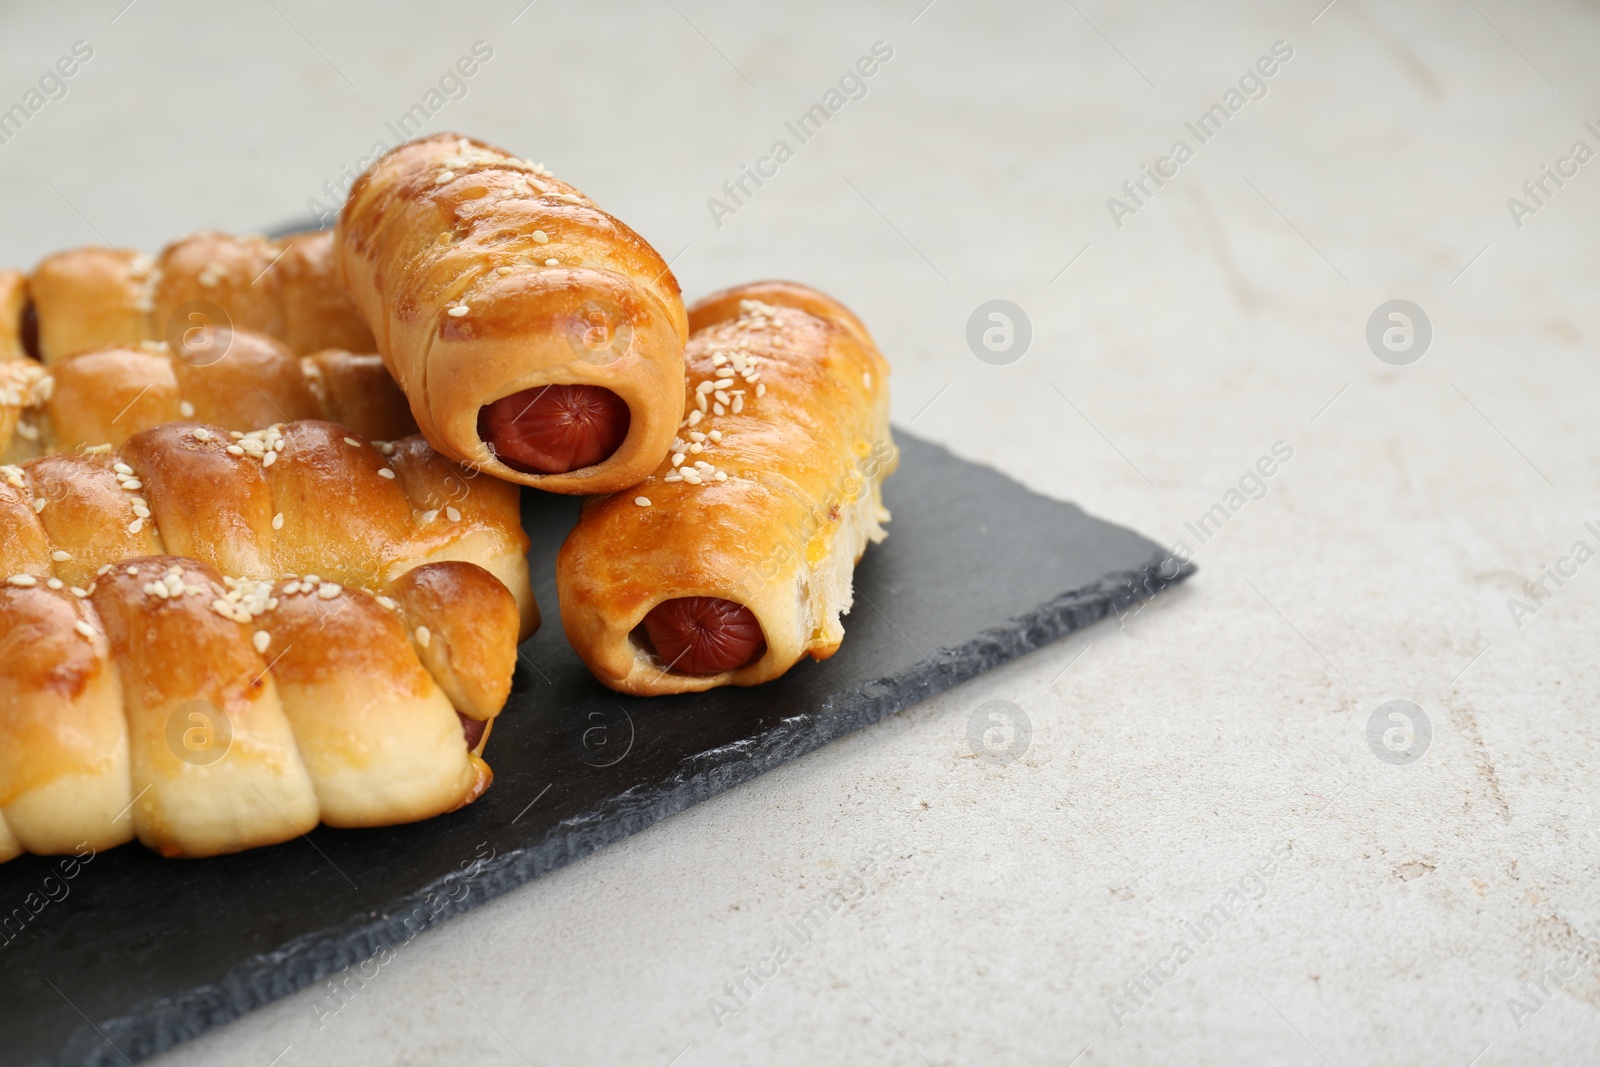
(704, 634)
(554, 429)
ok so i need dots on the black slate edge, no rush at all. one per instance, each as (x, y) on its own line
(308, 959)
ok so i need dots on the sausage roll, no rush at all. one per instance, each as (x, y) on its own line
(734, 558)
(537, 337)
(248, 381)
(95, 297)
(213, 641)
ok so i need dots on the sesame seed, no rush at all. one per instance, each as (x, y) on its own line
(261, 640)
(721, 476)
(452, 514)
(716, 435)
(386, 602)
(673, 477)
(428, 516)
(457, 311)
(699, 402)
(38, 505)
(22, 581)
(329, 590)
(701, 465)
(705, 387)
(761, 390)
(141, 511)
(738, 404)
(722, 397)
(132, 572)
(186, 409)
(424, 637)
(277, 521)
(718, 359)
(552, 262)
(55, 583)
(677, 459)
(122, 468)
(200, 433)
(269, 459)
(642, 501)
(696, 416)
(84, 629)
(443, 177)
(725, 372)
(385, 472)
(696, 448)
(502, 270)
(540, 237)
(866, 379)
(135, 526)
(235, 450)
(352, 442)
(60, 555)
(718, 409)
(79, 593)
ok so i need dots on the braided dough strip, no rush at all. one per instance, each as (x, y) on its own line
(755, 521)
(487, 279)
(364, 682)
(90, 298)
(247, 381)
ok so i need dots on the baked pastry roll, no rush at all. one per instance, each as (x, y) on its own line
(89, 298)
(734, 558)
(537, 337)
(107, 396)
(346, 614)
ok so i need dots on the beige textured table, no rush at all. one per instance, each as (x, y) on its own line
(1202, 774)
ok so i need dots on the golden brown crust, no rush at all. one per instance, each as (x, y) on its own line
(186, 670)
(238, 378)
(106, 397)
(448, 222)
(91, 513)
(24, 543)
(379, 736)
(13, 304)
(64, 777)
(318, 313)
(256, 382)
(92, 298)
(464, 624)
(802, 459)
(89, 298)
(231, 273)
(355, 390)
(463, 516)
(329, 692)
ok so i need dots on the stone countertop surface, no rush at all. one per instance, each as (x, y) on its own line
(1224, 843)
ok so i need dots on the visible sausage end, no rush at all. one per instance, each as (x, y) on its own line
(554, 429)
(30, 330)
(473, 729)
(704, 635)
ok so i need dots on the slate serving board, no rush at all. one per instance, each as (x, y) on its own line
(977, 570)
